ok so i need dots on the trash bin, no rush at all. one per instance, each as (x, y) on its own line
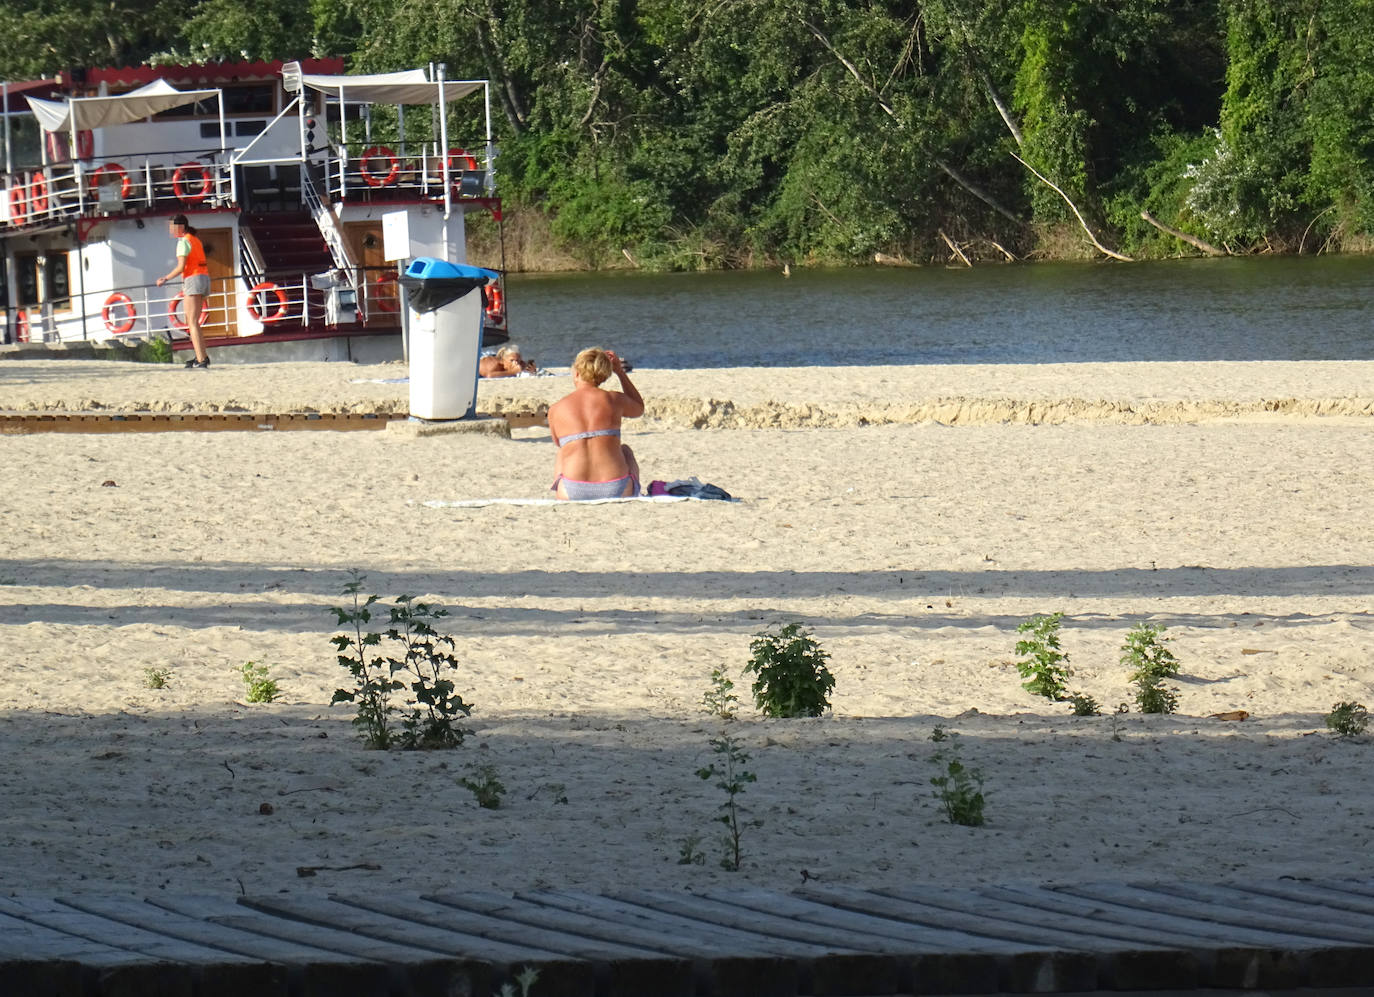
(445, 336)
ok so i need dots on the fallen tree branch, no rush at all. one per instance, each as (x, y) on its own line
(1191, 240)
(953, 248)
(1072, 207)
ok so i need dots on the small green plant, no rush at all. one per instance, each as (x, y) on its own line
(1147, 655)
(1084, 705)
(1348, 719)
(261, 688)
(688, 854)
(730, 775)
(431, 717)
(792, 680)
(373, 684)
(157, 677)
(153, 351)
(958, 788)
(525, 980)
(720, 700)
(485, 787)
(1045, 666)
(939, 734)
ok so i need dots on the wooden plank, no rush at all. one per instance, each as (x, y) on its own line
(493, 962)
(724, 963)
(1331, 924)
(1053, 959)
(151, 945)
(1329, 895)
(574, 961)
(196, 422)
(1210, 920)
(886, 971)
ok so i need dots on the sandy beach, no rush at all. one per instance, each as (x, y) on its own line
(911, 517)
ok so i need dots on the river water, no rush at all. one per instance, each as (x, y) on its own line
(1303, 308)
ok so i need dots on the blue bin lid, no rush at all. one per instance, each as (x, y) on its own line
(430, 268)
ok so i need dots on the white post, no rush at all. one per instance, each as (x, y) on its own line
(443, 151)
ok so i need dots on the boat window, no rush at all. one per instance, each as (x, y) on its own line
(59, 290)
(26, 277)
(250, 98)
(56, 281)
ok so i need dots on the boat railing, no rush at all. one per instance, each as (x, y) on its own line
(167, 181)
(246, 305)
(377, 171)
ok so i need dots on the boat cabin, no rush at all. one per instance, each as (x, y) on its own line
(310, 190)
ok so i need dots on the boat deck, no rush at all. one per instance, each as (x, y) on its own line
(1286, 936)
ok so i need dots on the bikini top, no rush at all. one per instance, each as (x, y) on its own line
(588, 435)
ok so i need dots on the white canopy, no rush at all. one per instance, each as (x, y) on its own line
(83, 113)
(408, 87)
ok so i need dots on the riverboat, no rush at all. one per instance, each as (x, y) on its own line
(299, 180)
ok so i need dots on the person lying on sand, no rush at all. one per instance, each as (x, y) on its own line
(506, 363)
(592, 463)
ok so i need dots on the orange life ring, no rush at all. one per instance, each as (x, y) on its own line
(174, 311)
(99, 172)
(386, 297)
(119, 300)
(19, 200)
(267, 287)
(38, 192)
(379, 152)
(496, 303)
(21, 327)
(469, 161)
(180, 174)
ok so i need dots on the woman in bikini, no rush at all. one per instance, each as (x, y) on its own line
(592, 463)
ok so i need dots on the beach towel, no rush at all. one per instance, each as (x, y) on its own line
(478, 503)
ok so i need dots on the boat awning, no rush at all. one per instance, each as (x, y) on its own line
(408, 87)
(84, 113)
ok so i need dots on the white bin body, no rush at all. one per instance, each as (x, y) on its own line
(444, 348)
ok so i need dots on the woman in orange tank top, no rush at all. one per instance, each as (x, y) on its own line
(195, 284)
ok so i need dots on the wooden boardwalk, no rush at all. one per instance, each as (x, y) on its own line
(1286, 936)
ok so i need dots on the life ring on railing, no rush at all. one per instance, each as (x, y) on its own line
(387, 300)
(179, 175)
(469, 161)
(21, 326)
(260, 312)
(495, 303)
(379, 152)
(19, 200)
(119, 300)
(174, 311)
(38, 192)
(97, 177)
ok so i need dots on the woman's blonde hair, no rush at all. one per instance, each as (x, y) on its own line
(592, 366)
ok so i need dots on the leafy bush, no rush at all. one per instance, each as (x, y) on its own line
(792, 678)
(1046, 666)
(720, 700)
(958, 788)
(1347, 719)
(1084, 705)
(1151, 662)
(430, 718)
(157, 678)
(153, 351)
(485, 787)
(261, 689)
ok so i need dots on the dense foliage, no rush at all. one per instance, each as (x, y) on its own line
(729, 132)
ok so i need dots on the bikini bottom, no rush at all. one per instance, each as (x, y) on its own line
(583, 491)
